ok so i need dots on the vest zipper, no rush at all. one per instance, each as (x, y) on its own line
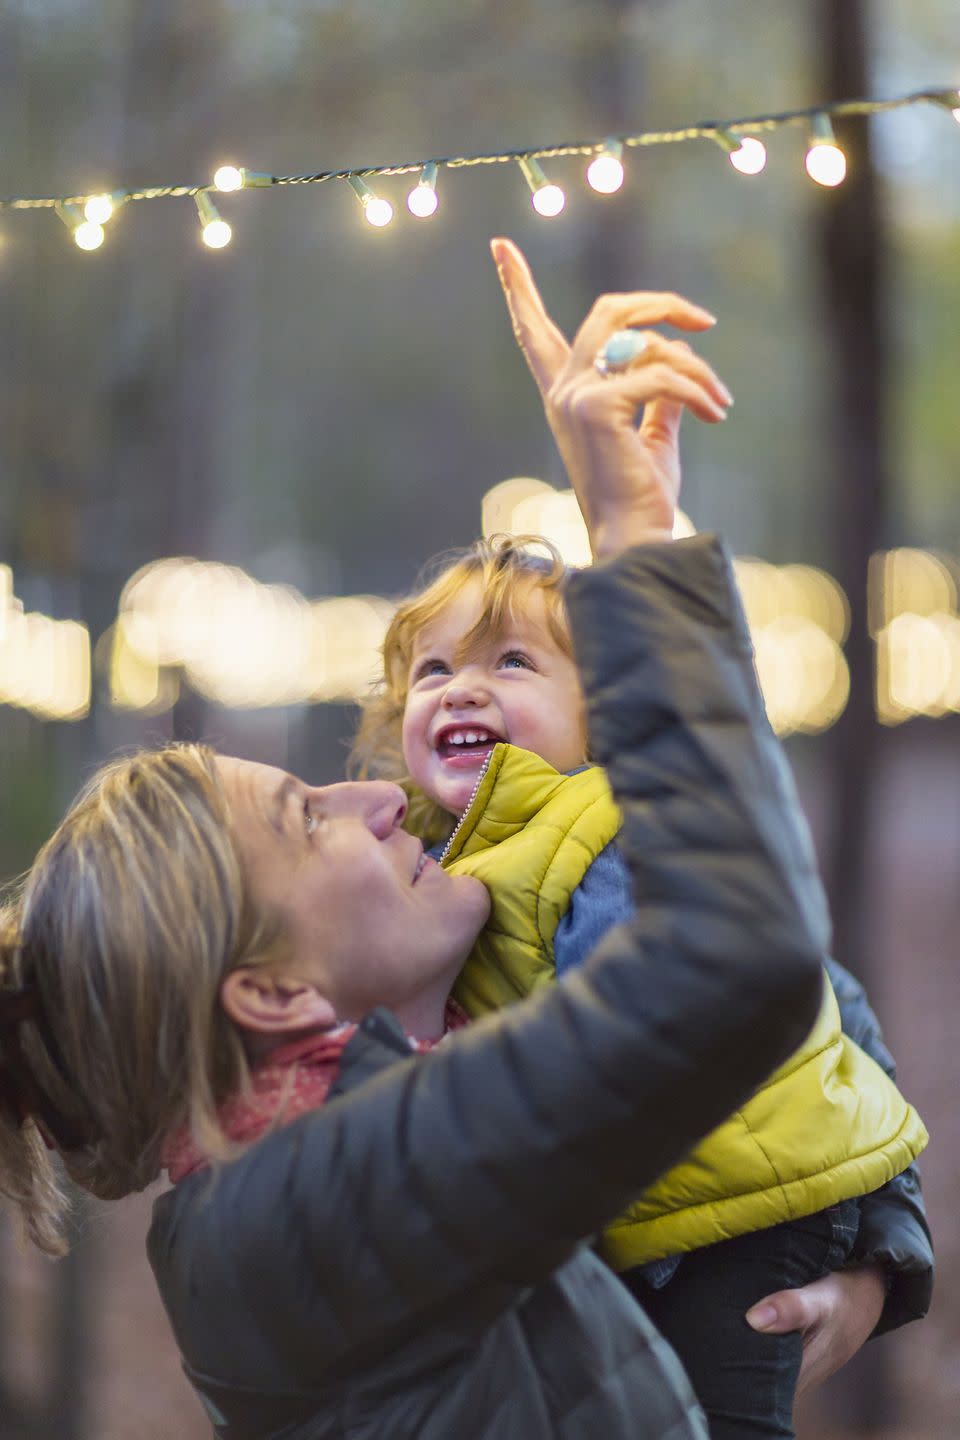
(473, 795)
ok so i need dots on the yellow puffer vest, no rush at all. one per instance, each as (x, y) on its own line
(827, 1126)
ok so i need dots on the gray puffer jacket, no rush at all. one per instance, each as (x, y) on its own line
(411, 1262)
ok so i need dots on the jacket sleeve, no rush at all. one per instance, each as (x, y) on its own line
(893, 1222)
(445, 1186)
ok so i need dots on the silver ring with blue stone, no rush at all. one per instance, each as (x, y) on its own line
(622, 347)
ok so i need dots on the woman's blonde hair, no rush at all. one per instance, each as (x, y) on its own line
(507, 568)
(123, 930)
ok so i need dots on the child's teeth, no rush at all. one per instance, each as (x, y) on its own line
(471, 737)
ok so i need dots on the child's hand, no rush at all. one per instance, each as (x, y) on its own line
(627, 479)
(835, 1315)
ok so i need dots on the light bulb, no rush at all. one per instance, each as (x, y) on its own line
(745, 154)
(216, 234)
(376, 211)
(605, 171)
(825, 162)
(228, 178)
(88, 236)
(98, 209)
(750, 157)
(549, 200)
(422, 200)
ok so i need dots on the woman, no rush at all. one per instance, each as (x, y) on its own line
(406, 1258)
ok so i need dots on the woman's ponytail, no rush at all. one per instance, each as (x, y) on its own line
(28, 1176)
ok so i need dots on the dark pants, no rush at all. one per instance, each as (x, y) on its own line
(745, 1380)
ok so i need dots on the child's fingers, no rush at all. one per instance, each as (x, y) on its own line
(543, 344)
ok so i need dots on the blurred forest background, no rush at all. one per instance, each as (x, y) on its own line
(325, 405)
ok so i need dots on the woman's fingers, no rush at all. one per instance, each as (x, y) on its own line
(635, 311)
(544, 346)
(666, 370)
(596, 400)
(680, 357)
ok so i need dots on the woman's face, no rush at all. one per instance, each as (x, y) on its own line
(364, 916)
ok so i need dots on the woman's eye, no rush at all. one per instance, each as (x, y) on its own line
(309, 819)
(515, 659)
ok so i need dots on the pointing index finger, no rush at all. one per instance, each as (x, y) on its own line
(543, 344)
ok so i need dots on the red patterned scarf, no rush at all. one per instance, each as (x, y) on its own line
(292, 1079)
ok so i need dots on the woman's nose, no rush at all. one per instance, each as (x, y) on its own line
(380, 804)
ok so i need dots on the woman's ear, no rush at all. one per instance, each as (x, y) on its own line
(268, 1002)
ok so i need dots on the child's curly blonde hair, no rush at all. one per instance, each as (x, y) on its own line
(507, 567)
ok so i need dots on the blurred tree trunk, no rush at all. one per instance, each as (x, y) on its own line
(852, 257)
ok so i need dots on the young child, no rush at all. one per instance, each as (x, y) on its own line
(480, 715)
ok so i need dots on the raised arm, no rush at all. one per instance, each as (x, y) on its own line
(438, 1191)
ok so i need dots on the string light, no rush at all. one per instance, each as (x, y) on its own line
(738, 137)
(422, 200)
(548, 200)
(376, 211)
(825, 162)
(100, 208)
(605, 171)
(228, 178)
(234, 177)
(950, 100)
(745, 152)
(86, 234)
(216, 232)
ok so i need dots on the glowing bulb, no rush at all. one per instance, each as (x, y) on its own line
(376, 211)
(825, 162)
(745, 154)
(217, 234)
(98, 209)
(750, 157)
(547, 199)
(422, 200)
(88, 236)
(228, 178)
(605, 171)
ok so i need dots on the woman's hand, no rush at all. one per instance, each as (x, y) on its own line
(626, 478)
(835, 1315)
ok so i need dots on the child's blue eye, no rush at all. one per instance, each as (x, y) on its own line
(431, 667)
(515, 659)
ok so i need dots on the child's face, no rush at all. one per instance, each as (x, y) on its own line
(519, 687)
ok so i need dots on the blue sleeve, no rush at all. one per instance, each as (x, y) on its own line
(601, 900)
